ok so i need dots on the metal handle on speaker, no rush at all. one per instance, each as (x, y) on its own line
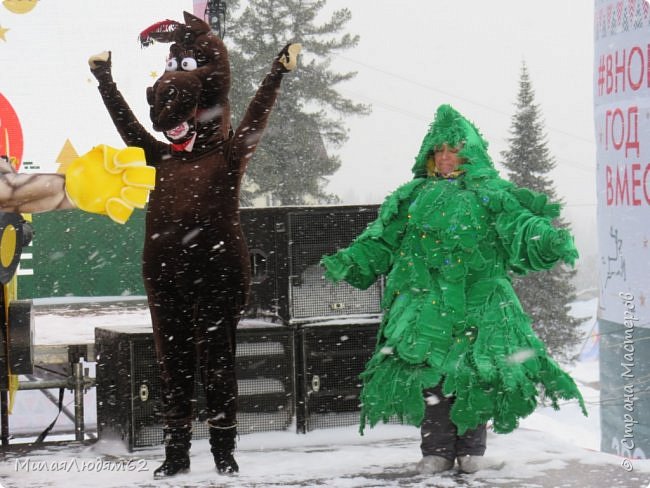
(144, 392)
(315, 383)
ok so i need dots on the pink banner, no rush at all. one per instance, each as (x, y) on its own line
(199, 8)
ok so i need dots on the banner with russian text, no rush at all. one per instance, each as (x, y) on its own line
(622, 124)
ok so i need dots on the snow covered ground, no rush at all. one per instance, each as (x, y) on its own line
(552, 448)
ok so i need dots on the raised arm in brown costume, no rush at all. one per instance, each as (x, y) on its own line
(196, 264)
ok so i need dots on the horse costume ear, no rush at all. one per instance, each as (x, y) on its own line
(195, 23)
(162, 31)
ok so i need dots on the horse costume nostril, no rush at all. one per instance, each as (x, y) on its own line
(199, 176)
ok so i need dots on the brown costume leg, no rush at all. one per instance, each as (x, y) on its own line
(216, 325)
(173, 338)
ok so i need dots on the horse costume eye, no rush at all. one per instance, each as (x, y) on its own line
(172, 65)
(188, 64)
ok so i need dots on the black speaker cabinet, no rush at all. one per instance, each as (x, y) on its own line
(128, 384)
(21, 337)
(286, 245)
(331, 357)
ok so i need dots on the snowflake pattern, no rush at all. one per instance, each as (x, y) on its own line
(615, 17)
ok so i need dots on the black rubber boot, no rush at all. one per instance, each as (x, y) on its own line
(222, 446)
(177, 453)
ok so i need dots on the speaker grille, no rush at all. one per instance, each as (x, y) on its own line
(333, 357)
(128, 385)
(145, 392)
(314, 234)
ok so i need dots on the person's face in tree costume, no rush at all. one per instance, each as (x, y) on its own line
(446, 159)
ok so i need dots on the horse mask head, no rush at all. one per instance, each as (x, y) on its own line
(189, 102)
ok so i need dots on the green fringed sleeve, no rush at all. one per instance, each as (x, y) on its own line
(372, 253)
(531, 241)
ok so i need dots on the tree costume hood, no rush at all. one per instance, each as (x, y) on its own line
(451, 128)
(451, 316)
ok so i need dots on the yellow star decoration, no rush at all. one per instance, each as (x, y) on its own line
(66, 156)
(3, 31)
(153, 74)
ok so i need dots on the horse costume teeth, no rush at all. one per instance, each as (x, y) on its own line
(179, 131)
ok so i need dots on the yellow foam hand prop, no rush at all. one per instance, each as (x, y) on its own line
(110, 181)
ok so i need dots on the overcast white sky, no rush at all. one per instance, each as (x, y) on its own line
(413, 56)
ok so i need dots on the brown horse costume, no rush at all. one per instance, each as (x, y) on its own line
(195, 260)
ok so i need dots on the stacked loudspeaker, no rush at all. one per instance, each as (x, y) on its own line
(128, 384)
(300, 347)
(286, 245)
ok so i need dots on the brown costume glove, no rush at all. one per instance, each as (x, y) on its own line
(287, 59)
(100, 66)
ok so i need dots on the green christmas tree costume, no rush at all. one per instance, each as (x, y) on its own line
(451, 315)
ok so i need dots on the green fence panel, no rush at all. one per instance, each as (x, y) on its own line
(74, 253)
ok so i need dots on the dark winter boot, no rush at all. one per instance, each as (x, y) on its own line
(222, 446)
(177, 453)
